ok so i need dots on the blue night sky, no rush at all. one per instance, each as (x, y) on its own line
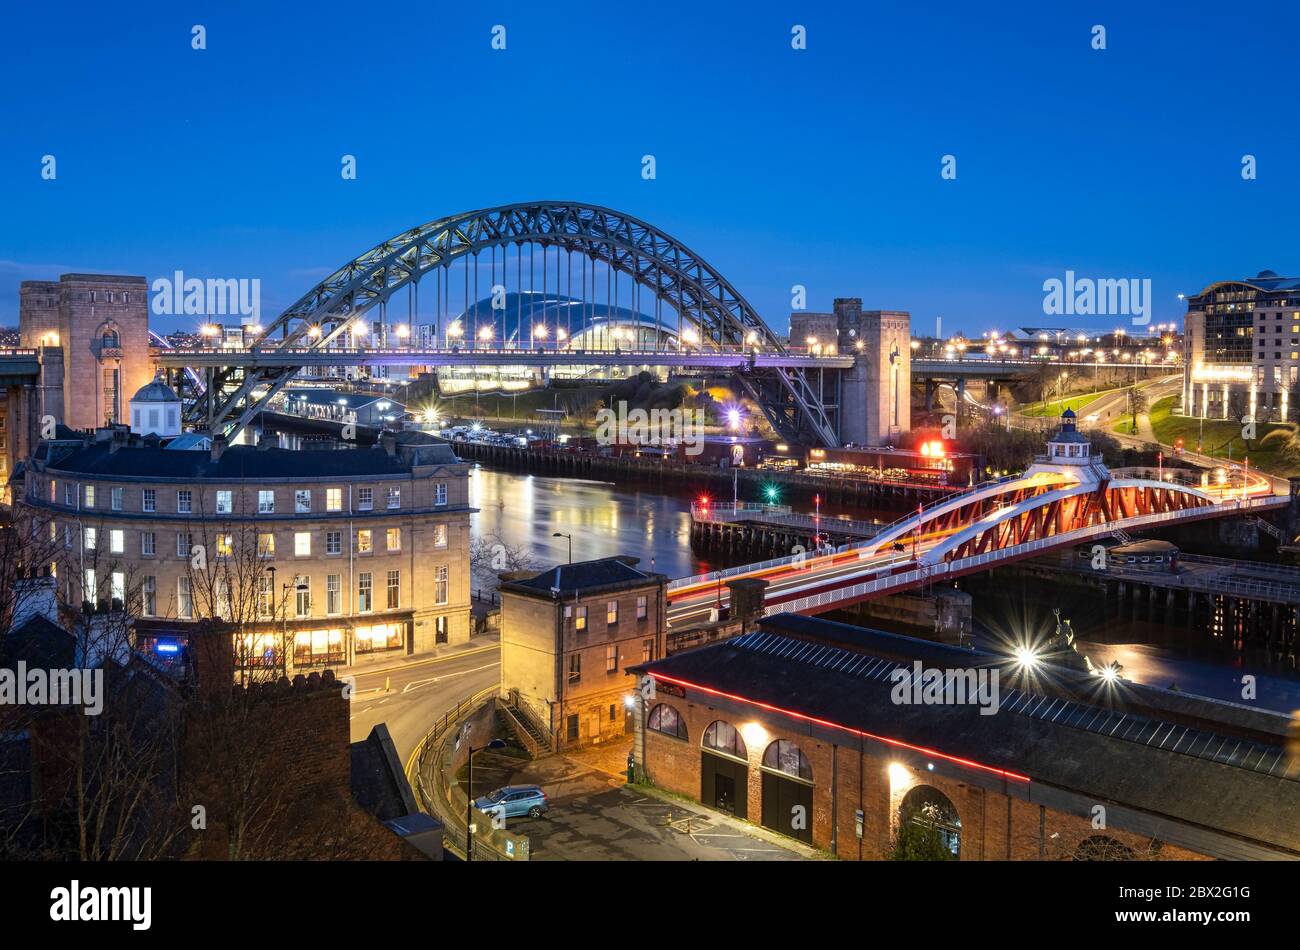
(780, 167)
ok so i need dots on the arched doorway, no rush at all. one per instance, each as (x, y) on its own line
(787, 790)
(724, 769)
(929, 828)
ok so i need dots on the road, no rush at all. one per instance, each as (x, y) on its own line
(420, 692)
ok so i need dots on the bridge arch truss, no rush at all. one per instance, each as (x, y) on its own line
(707, 305)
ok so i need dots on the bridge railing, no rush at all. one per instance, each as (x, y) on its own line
(781, 515)
(931, 571)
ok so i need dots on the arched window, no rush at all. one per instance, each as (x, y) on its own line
(109, 340)
(664, 718)
(929, 810)
(1103, 848)
(723, 737)
(784, 756)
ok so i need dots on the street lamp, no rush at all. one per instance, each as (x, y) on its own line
(469, 796)
(561, 534)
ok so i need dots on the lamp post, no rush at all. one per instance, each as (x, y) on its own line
(469, 796)
(561, 534)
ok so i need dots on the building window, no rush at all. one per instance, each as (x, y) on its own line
(575, 667)
(364, 593)
(722, 737)
(440, 493)
(225, 545)
(91, 537)
(440, 584)
(147, 542)
(382, 636)
(90, 496)
(580, 619)
(184, 541)
(88, 586)
(302, 595)
(318, 646)
(927, 810)
(611, 658)
(265, 597)
(611, 613)
(642, 607)
(664, 718)
(184, 598)
(333, 542)
(149, 500)
(784, 756)
(647, 650)
(184, 501)
(394, 589)
(225, 502)
(395, 496)
(54, 491)
(440, 536)
(149, 595)
(302, 500)
(115, 499)
(365, 543)
(393, 539)
(365, 499)
(573, 727)
(266, 502)
(334, 499)
(67, 536)
(613, 712)
(333, 593)
(265, 544)
(302, 544)
(116, 541)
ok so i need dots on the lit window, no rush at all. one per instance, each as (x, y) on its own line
(302, 544)
(225, 545)
(116, 541)
(90, 496)
(440, 536)
(611, 613)
(580, 619)
(394, 539)
(365, 543)
(334, 499)
(266, 544)
(91, 538)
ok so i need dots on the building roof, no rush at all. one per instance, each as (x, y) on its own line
(1167, 755)
(155, 391)
(585, 575)
(240, 462)
(1266, 280)
(38, 642)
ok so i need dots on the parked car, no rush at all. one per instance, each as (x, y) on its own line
(515, 800)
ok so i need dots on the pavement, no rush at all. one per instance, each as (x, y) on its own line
(596, 816)
(411, 694)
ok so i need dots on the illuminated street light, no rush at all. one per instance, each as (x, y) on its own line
(1026, 657)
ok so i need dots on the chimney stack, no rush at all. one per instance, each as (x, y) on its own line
(218, 447)
(388, 439)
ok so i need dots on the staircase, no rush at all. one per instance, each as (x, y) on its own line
(531, 734)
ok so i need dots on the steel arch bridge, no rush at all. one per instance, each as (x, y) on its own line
(710, 310)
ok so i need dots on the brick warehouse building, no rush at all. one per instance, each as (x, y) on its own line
(793, 727)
